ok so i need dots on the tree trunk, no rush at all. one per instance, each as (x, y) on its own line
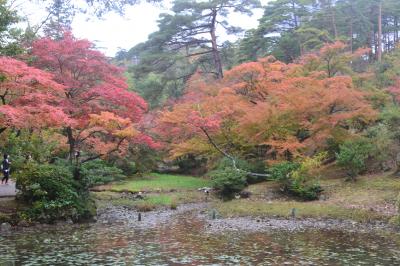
(379, 54)
(351, 34)
(77, 172)
(333, 19)
(375, 44)
(370, 44)
(71, 143)
(295, 19)
(76, 163)
(215, 51)
(396, 31)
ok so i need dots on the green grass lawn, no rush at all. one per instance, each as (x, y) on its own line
(161, 182)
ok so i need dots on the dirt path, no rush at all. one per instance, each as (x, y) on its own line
(8, 190)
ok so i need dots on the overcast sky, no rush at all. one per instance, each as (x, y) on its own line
(114, 32)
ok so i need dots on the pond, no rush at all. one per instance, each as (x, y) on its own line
(185, 240)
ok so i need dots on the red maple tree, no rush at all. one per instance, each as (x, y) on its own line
(103, 112)
(30, 97)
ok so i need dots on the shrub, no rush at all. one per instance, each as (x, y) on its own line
(145, 159)
(299, 179)
(353, 155)
(228, 181)
(98, 172)
(306, 190)
(339, 136)
(40, 147)
(191, 165)
(254, 166)
(52, 193)
(127, 166)
(139, 159)
(282, 172)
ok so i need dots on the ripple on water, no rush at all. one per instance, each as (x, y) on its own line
(184, 241)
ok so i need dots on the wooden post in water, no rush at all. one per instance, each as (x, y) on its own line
(139, 217)
(214, 214)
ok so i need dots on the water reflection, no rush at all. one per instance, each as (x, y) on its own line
(184, 241)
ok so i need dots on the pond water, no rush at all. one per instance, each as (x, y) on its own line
(185, 241)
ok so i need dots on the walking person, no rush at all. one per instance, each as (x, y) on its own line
(5, 167)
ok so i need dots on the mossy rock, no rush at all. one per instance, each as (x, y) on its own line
(5, 218)
(12, 219)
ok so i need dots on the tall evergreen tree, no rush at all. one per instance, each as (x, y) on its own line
(193, 27)
(290, 28)
(276, 31)
(187, 41)
(9, 35)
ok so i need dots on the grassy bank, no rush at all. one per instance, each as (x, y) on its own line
(258, 208)
(149, 202)
(162, 191)
(8, 210)
(370, 198)
(160, 183)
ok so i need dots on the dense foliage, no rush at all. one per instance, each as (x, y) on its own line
(353, 156)
(250, 166)
(77, 108)
(105, 122)
(53, 194)
(299, 179)
(98, 172)
(290, 109)
(228, 181)
(10, 35)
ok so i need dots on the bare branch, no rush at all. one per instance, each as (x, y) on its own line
(230, 157)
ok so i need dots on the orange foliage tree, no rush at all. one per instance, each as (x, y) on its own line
(290, 109)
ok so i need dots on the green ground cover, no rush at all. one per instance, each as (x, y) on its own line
(161, 182)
